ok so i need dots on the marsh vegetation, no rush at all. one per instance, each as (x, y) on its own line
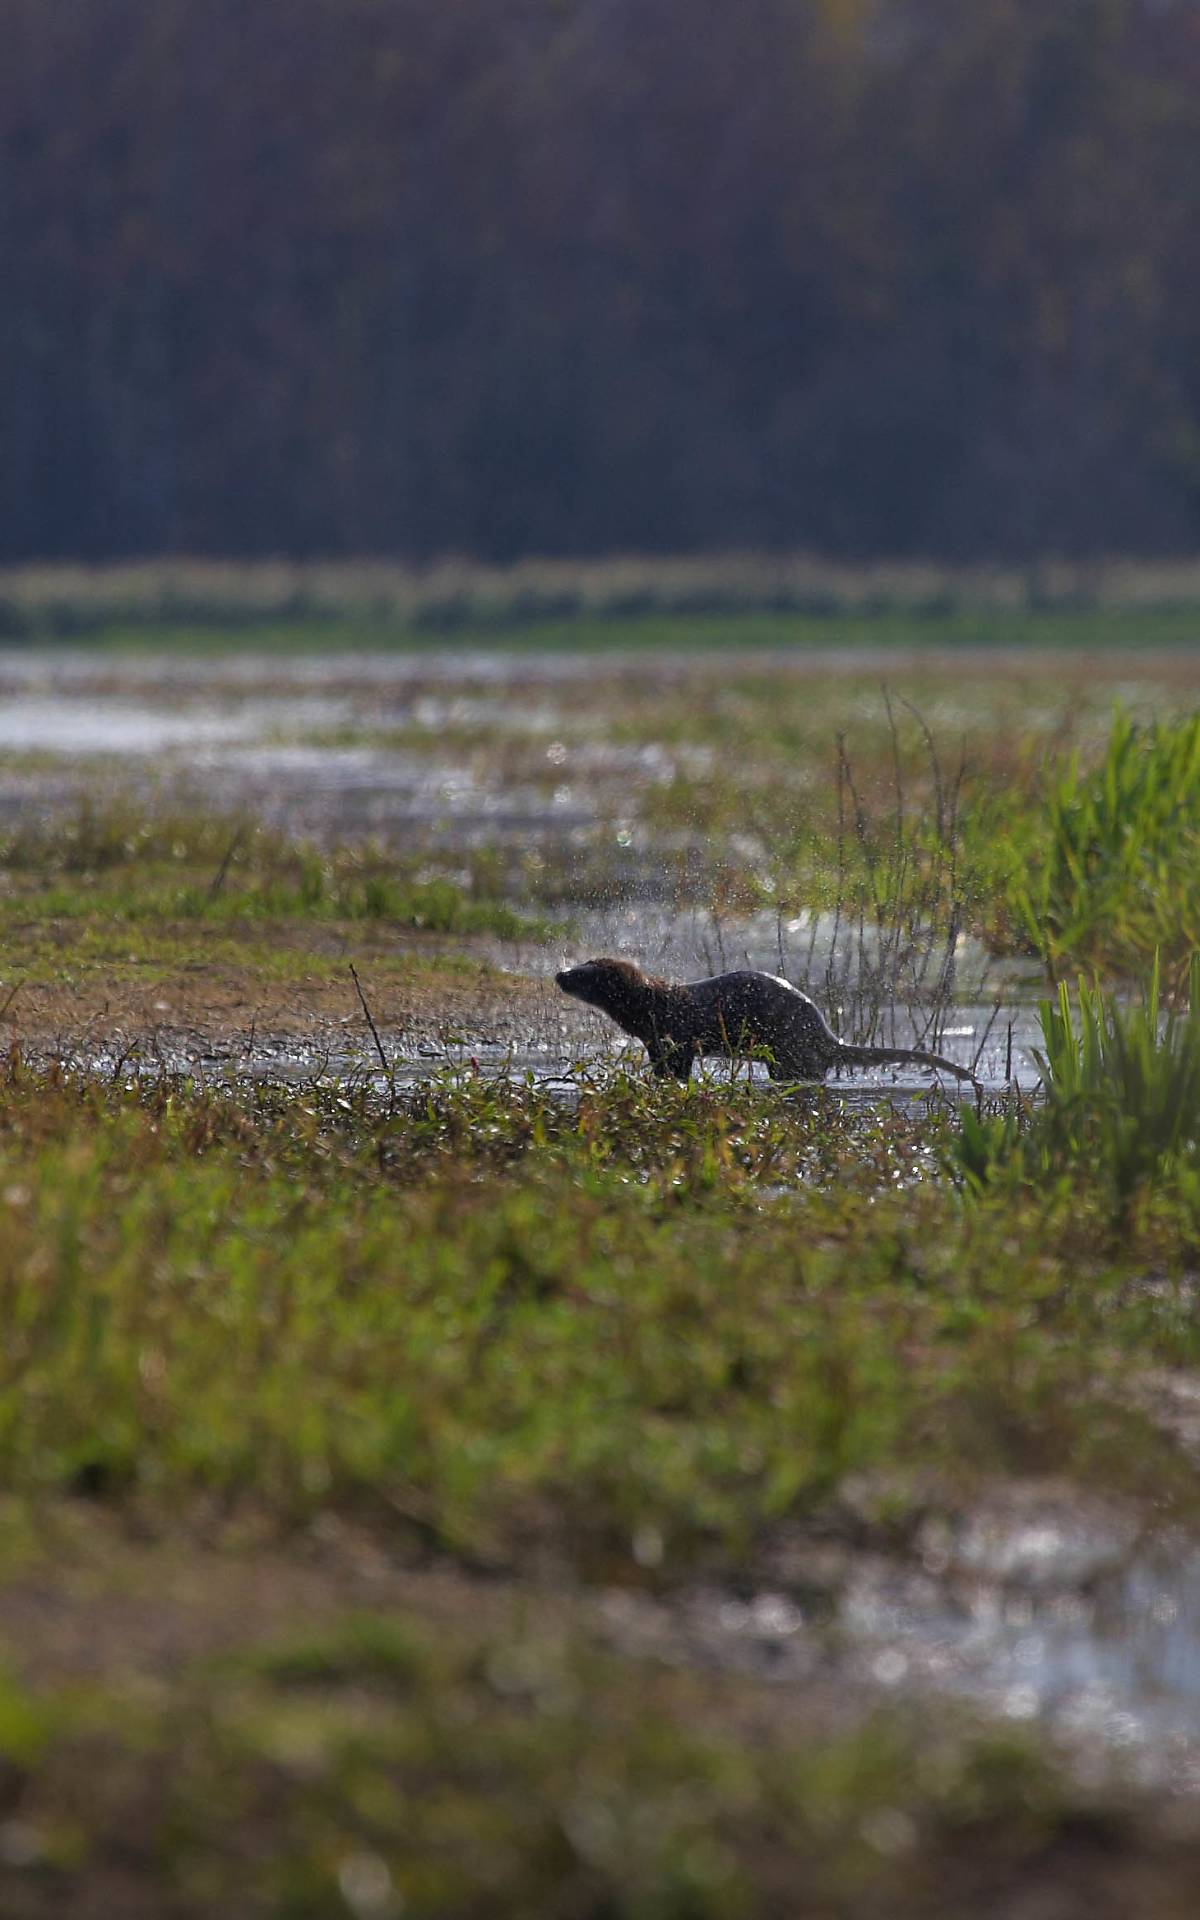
(559, 1489)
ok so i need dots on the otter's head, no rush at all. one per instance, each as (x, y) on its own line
(607, 984)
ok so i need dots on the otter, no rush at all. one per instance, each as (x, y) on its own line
(731, 1014)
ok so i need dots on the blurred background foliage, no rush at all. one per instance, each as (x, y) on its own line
(570, 276)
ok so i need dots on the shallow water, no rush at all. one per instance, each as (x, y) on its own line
(231, 732)
(542, 1052)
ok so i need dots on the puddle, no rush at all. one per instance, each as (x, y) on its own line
(1056, 1613)
(1118, 1663)
(340, 793)
(1059, 1621)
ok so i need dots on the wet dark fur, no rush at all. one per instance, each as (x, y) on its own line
(732, 1014)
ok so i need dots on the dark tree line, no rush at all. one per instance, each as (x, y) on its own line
(505, 276)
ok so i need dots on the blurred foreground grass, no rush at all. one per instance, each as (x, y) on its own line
(372, 1766)
(556, 1348)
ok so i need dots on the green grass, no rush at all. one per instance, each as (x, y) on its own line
(505, 1323)
(316, 892)
(1110, 870)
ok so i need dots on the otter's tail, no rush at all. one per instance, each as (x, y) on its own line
(878, 1056)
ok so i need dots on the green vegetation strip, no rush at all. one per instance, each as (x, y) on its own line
(629, 598)
(123, 864)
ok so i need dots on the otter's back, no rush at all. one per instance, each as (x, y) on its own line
(758, 1006)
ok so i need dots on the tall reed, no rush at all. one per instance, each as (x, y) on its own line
(1113, 874)
(1120, 1098)
(1122, 1082)
(883, 961)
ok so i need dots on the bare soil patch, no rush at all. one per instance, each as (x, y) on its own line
(294, 982)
